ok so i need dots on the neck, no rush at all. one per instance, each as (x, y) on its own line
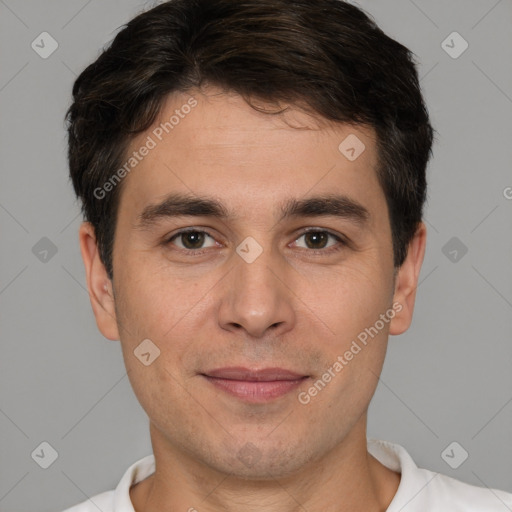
(346, 479)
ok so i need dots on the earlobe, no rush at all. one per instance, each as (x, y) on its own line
(98, 283)
(407, 282)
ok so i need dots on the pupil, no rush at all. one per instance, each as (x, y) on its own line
(315, 237)
(195, 238)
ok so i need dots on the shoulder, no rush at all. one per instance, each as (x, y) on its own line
(453, 495)
(118, 500)
(421, 489)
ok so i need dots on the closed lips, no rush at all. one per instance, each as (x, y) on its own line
(263, 375)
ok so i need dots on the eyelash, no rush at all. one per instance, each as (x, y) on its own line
(342, 243)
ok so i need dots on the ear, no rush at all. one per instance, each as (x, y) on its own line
(406, 282)
(98, 283)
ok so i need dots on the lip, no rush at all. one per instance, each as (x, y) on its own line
(255, 386)
(263, 375)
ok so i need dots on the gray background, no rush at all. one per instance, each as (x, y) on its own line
(449, 378)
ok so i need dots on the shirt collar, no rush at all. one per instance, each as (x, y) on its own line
(137, 472)
(393, 456)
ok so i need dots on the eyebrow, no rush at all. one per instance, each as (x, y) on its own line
(183, 205)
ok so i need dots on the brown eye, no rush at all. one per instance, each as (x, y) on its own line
(191, 239)
(316, 239)
(319, 240)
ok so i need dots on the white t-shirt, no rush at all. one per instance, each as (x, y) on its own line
(420, 490)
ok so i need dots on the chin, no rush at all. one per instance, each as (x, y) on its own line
(259, 462)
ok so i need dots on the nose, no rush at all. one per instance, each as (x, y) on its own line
(257, 297)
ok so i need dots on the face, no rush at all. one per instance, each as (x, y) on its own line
(268, 318)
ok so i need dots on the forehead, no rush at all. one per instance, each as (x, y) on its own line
(211, 142)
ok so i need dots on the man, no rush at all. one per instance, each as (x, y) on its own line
(252, 175)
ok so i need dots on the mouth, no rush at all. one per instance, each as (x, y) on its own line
(255, 386)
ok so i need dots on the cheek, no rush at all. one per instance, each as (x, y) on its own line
(155, 339)
(352, 307)
(154, 296)
(351, 303)
(349, 299)
(153, 303)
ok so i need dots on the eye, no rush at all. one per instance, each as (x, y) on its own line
(191, 239)
(315, 241)
(318, 240)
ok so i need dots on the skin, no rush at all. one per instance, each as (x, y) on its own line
(288, 308)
